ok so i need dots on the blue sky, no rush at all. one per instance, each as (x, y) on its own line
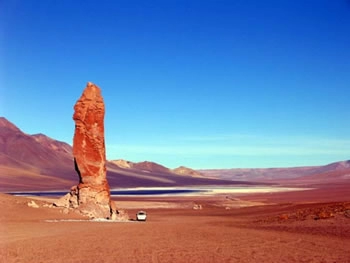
(206, 84)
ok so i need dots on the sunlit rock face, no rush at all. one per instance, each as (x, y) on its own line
(91, 197)
(93, 194)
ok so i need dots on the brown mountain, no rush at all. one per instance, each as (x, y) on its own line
(27, 160)
(34, 150)
(147, 166)
(54, 145)
(150, 167)
(331, 173)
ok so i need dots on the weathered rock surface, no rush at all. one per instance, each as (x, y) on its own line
(91, 196)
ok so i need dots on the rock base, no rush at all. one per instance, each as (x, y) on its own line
(91, 202)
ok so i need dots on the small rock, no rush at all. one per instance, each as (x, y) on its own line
(33, 204)
(283, 217)
(63, 201)
(347, 213)
(197, 207)
(114, 216)
(325, 215)
(120, 215)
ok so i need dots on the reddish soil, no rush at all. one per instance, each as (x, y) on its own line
(290, 227)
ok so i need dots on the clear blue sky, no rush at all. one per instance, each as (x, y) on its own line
(206, 84)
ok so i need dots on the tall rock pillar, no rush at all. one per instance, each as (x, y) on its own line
(93, 194)
(91, 197)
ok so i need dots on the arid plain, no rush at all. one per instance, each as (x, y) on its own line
(253, 228)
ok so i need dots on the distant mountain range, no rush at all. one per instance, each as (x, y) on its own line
(322, 174)
(154, 167)
(37, 162)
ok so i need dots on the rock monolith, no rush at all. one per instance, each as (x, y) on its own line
(91, 196)
(90, 154)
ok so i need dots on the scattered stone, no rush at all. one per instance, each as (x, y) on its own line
(347, 213)
(283, 217)
(33, 204)
(197, 207)
(114, 216)
(120, 215)
(63, 201)
(312, 212)
(323, 215)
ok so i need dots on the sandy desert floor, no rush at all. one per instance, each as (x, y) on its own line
(280, 227)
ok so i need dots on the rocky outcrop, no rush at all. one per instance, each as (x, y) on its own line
(91, 196)
(122, 163)
(182, 170)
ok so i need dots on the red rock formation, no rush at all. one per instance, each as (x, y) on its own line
(92, 195)
(88, 143)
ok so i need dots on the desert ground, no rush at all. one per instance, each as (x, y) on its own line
(303, 226)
